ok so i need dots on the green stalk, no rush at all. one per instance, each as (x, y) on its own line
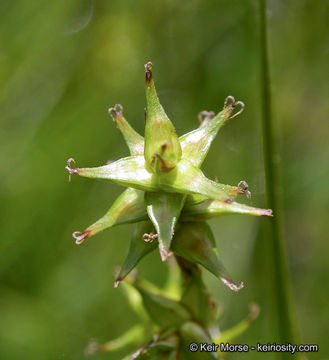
(283, 311)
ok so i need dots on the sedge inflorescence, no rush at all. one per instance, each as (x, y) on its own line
(170, 199)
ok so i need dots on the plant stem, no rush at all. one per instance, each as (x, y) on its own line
(284, 313)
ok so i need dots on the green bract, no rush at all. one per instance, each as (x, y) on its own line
(170, 198)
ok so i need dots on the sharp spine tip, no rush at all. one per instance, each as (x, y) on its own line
(227, 103)
(117, 283)
(233, 286)
(148, 72)
(268, 212)
(164, 254)
(243, 189)
(80, 237)
(148, 66)
(232, 104)
(70, 169)
(115, 111)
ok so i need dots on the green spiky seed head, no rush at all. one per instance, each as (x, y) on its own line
(165, 185)
(170, 198)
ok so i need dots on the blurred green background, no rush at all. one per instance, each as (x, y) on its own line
(62, 64)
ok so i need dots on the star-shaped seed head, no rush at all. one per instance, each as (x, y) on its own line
(165, 187)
